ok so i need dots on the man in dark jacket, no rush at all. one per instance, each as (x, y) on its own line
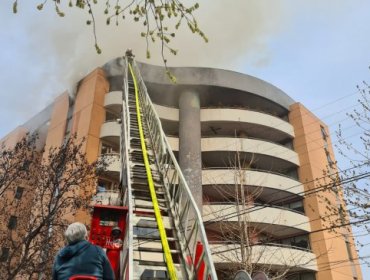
(80, 257)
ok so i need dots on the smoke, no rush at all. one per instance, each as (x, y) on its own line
(43, 55)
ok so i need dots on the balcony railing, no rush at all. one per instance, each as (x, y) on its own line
(277, 255)
(222, 243)
(255, 206)
(264, 215)
(110, 129)
(113, 162)
(109, 197)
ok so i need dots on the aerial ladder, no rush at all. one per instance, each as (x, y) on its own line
(157, 232)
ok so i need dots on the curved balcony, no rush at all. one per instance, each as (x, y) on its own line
(169, 119)
(107, 198)
(272, 255)
(212, 84)
(167, 113)
(113, 163)
(278, 222)
(113, 101)
(224, 121)
(256, 124)
(252, 146)
(110, 131)
(217, 152)
(218, 183)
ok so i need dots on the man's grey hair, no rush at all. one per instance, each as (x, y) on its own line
(75, 232)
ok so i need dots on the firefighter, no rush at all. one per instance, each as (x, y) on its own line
(114, 250)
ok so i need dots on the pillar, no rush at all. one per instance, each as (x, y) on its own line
(190, 143)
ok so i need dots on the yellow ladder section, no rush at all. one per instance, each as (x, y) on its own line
(157, 212)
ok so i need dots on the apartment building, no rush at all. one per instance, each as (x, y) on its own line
(250, 155)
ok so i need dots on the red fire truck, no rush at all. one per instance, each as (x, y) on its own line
(107, 231)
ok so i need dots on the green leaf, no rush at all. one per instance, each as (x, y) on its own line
(60, 13)
(15, 7)
(171, 77)
(80, 4)
(98, 50)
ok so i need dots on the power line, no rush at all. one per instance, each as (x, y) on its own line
(316, 231)
(315, 190)
(311, 191)
(234, 143)
(278, 174)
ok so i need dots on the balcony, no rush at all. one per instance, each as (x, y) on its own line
(113, 163)
(109, 197)
(224, 121)
(217, 152)
(275, 221)
(167, 113)
(110, 131)
(249, 145)
(272, 255)
(113, 101)
(218, 183)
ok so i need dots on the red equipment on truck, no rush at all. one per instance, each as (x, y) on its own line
(107, 231)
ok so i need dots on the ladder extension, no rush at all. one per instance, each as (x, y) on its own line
(154, 183)
(157, 211)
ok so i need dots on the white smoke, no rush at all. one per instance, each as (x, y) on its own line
(43, 55)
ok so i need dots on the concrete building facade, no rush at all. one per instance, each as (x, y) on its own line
(222, 125)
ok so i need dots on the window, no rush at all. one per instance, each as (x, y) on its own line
(326, 146)
(302, 242)
(68, 127)
(69, 122)
(4, 254)
(12, 222)
(108, 218)
(330, 161)
(302, 276)
(19, 192)
(296, 206)
(109, 116)
(323, 132)
(297, 241)
(349, 252)
(109, 149)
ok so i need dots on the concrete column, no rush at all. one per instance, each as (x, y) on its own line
(190, 143)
